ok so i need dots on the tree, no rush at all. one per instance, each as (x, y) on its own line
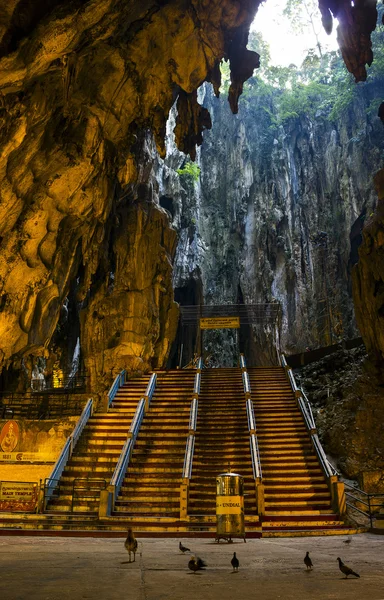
(303, 14)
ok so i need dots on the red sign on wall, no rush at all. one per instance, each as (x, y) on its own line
(9, 436)
(18, 496)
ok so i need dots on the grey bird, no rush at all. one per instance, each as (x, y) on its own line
(346, 570)
(183, 548)
(348, 541)
(131, 545)
(196, 564)
(307, 561)
(235, 562)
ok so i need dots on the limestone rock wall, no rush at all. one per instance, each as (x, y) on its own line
(368, 280)
(277, 215)
(79, 83)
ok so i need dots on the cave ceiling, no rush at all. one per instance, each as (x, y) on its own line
(79, 81)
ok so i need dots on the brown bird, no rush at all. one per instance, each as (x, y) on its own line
(346, 570)
(307, 561)
(131, 545)
(235, 562)
(196, 563)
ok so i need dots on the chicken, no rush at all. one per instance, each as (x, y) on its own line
(131, 545)
(196, 563)
(346, 570)
(183, 548)
(307, 561)
(235, 562)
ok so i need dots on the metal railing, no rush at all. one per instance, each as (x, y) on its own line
(119, 381)
(39, 406)
(253, 442)
(76, 382)
(372, 502)
(306, 411)
(82, 489)
(126, 453)
(51, 482)
(190, 444)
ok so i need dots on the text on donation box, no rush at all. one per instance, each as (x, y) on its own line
(229, 505)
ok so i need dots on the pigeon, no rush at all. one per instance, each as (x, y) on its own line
(307, 561)
(235, 562)
(348, 541)
(196, 563)
(131, 545)
(346, 570)
(183, 548)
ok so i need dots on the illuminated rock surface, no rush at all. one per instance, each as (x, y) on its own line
(80, 82)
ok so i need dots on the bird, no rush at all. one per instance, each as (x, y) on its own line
(131, 545)
(196, 564)
(348, 541)
(307, 561)
(346, 570)
(235, 562)
(183, 548)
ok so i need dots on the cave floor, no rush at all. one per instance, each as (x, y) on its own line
(49, 568)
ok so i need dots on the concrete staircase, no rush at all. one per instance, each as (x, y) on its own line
(151, 488)
(222, 440)
(296, 492)
(94, 459)
(297, 497)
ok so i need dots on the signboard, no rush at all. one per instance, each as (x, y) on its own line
(220, 323)
(229, 505)
(18, 496)
(26, 457)
(9, 436)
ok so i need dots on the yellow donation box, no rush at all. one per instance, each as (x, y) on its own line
(229, 506)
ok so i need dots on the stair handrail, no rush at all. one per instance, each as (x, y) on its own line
(306, 411)
(81, 423)
(365, 501)
(52, 481)
(253, 442)
(190, 443)
(133, 431)
(119, 381)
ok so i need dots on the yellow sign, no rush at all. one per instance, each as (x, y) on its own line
(15, 491)
(27, 457)
(220, 323)
(229, 505)
(18, 496)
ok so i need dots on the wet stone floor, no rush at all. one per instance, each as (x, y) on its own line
(49, 568)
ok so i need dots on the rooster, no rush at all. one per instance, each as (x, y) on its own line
(131, 545)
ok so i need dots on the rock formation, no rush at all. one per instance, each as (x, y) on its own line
(277, 215)
(81, 82)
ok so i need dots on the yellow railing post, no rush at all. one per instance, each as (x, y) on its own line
(260, 497)
(184, 494)
(338, 496)
(107, 500)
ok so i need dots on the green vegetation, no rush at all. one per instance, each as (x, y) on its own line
(320, 87)
(191, 171)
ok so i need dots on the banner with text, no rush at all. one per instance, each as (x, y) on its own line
(18, 496)
(220, 323)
